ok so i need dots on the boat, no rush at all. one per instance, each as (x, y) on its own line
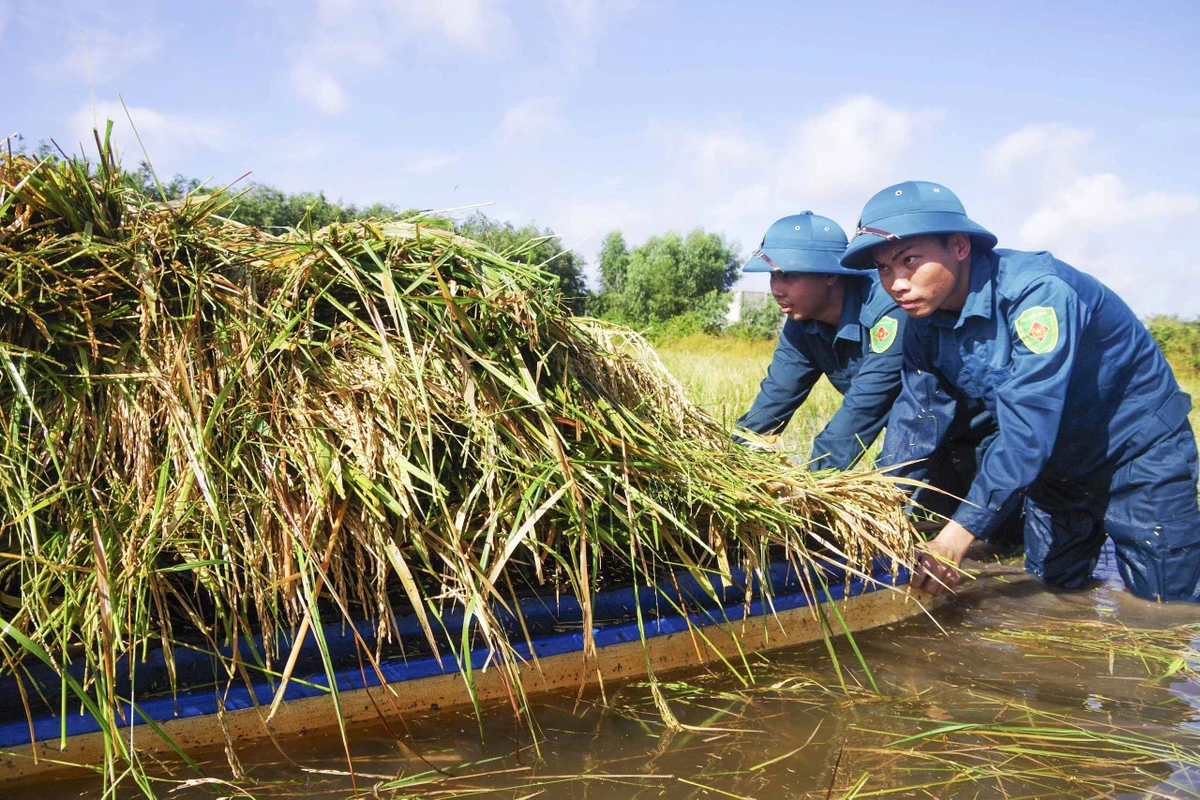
(684, 625)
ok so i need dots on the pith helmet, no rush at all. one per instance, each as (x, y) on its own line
(804, 242)
(908, 209)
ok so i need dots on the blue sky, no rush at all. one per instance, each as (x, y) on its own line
(1068, 127)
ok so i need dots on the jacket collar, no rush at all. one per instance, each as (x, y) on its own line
(848, 326)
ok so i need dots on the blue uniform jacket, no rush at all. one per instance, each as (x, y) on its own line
(867, 374)
(1075, 382)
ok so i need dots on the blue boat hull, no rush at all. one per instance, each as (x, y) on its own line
(684, 625)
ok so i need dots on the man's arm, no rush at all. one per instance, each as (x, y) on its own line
(867, 403)
(921, 416)
(923, 412)
(790, 379)
(1046, 325)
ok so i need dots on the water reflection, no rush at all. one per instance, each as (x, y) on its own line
(1015, 690)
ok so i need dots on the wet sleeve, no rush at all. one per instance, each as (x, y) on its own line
(865, 408)
(790, 378)
(922, 414)
(1046, 325)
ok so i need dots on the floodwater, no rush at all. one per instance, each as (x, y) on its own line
(1012, 690)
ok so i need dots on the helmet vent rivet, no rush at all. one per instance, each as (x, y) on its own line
(797, 227)
(826, 227)
(899, 192)
(936, 190)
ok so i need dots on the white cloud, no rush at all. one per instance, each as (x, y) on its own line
(428, 163)
(530, 118)
(357, 35)
(1046, 144)
(1052, 185)
(166, 137)
(726, 178)
(380, 24)
(712, 153)
(1096, 224)
(856, 146)
(1097, 204)
(319, 89)
(753, 200)
(469, 23)
(103, 55)
(582, 22)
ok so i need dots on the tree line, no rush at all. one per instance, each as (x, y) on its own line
(671, 285)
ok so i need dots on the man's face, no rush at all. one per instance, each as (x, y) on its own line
(801, 295)
(921, 273)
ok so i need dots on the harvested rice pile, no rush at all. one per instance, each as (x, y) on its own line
(209, 432)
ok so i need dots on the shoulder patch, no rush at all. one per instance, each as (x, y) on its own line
(1038, 329)
(883, 334)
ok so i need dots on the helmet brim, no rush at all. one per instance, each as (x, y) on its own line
(902, 226)
(796, 260)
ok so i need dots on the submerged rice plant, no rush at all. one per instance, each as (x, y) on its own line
(209, 433)
(1161, 652)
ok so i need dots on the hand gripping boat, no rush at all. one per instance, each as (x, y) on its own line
(684, 626)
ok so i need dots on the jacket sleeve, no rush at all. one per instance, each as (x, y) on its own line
(922, 414)
(864, 410)
(790, 378)
(1046, 324)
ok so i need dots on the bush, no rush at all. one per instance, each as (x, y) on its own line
(760, 320)
(1179, 340)
(707, 317)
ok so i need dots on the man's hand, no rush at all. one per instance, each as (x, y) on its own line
(937, 567)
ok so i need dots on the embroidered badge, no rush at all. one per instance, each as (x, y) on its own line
(1038, 329)
(883, 334)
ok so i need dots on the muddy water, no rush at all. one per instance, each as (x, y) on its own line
(997, 714)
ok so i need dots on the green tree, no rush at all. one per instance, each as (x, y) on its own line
(531, 245)
(260, 205)
(269, 208)
(670, 275)
(142, 179)
(614, 263)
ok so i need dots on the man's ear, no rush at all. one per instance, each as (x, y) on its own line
(961, 246)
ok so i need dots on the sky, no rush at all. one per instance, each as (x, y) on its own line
(1069, 127)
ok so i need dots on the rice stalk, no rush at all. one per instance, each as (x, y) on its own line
(208, 433)
(1161, 652)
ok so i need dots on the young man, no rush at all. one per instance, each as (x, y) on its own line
(841, 324)
(1093, 436)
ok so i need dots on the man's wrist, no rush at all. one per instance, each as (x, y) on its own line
(957, 539)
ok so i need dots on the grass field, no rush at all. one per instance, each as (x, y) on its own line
(722, 375)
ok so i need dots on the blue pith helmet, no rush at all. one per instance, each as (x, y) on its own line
(908, 209)
(804, 242)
